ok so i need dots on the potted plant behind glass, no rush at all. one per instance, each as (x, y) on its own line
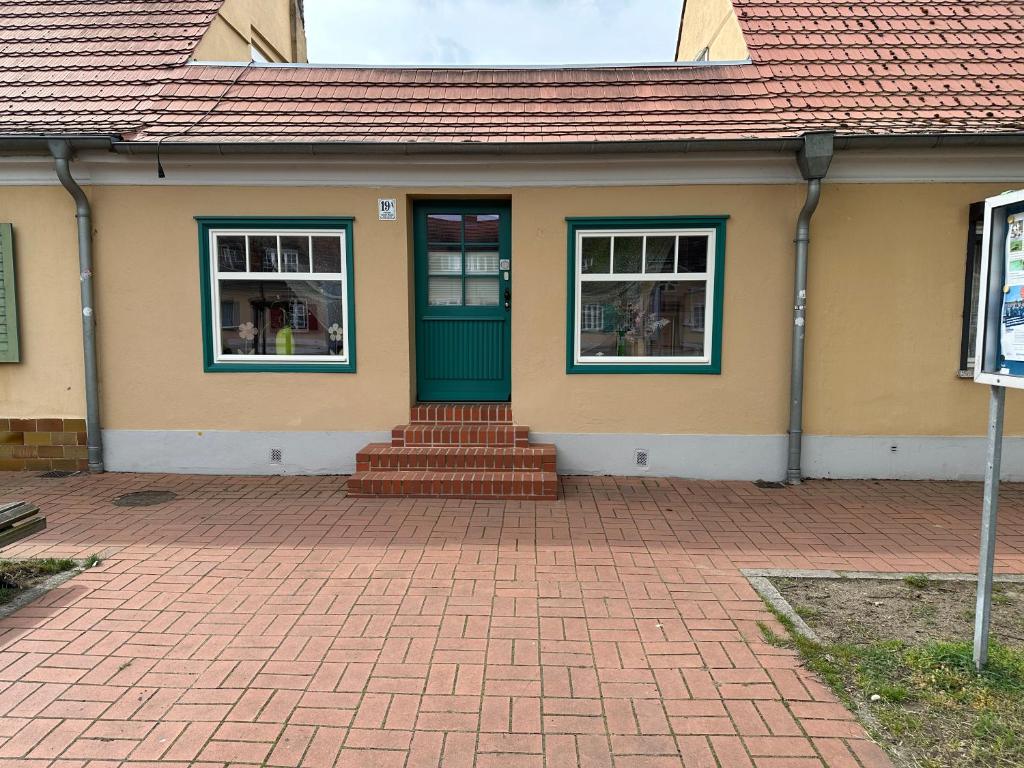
(635, 328)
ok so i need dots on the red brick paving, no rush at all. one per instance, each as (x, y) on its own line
(277, 622)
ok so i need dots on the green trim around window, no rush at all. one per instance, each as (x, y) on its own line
(208, 223)
(583, 224)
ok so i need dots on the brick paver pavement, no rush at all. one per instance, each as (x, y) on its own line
(276, 622)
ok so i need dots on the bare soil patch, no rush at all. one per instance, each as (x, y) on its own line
(899, 654)
(914, 611)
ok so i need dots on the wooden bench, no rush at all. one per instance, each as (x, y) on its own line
(18, 520)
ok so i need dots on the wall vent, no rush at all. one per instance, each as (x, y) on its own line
(641, 458)
(276, 456)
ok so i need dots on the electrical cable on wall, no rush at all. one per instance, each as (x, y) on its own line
(159, 166)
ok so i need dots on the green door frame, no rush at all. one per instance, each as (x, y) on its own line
(473, 343)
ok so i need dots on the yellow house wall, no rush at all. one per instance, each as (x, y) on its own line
(48, 381)
(886, 284)
(710, 24)
(230, 33)
(886, 305)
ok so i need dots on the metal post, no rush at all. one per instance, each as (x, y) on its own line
(986, 563)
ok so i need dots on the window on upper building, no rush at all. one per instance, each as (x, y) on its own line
(972, 286)
(645, 295)
(277, 294)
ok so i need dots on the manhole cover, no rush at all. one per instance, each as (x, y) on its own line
(768, 484)
(144, 498)
(58, 473)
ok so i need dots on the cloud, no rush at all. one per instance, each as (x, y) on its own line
(513, 32)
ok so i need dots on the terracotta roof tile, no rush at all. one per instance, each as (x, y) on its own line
(91, 65)
(873, 67)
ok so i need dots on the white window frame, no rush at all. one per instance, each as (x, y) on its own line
(707, 278)
(592, 318)
(298, 315)
(216, 275)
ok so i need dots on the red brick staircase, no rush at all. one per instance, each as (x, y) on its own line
(457, 450)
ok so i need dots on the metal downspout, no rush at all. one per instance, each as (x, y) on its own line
(61, 151)
(814, 159)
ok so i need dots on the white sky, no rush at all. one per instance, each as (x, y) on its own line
(466, 32)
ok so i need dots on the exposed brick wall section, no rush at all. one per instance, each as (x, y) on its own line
(43, 444)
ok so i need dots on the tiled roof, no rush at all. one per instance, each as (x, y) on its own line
(876, 67)
(444, 105)
(892, 66)
(89, 66)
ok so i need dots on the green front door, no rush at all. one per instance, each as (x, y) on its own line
(463, 301)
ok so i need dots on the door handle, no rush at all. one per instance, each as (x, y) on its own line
(508, 298)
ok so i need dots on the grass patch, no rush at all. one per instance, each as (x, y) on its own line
(19, 575)
(925, 701)
(916, 581)
(807, 612)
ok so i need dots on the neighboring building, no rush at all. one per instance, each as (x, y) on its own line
(269, 31)
(710, 29)
(610, 249)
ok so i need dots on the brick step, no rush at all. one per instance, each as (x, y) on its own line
(508, 435)
(535, 457)
(462, 413)
(455, 485)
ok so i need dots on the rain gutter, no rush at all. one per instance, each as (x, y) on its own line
(61, 150)
(792, 144)
(814, 159)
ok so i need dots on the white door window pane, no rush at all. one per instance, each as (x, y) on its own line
(482, 263)
(444, 262)
(444, 291)
(444, 228)
(481, 291)
(482, 228)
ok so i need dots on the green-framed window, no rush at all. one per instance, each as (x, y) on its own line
(645, 294)
(277, 294)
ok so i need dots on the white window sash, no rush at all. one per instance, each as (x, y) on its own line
(338, 277)
(707, 278)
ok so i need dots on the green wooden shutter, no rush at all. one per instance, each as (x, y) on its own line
(8, 300)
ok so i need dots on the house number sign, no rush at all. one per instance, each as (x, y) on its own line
(387, 210)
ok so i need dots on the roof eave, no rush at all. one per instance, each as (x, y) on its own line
(40, 143)
(776, 144)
